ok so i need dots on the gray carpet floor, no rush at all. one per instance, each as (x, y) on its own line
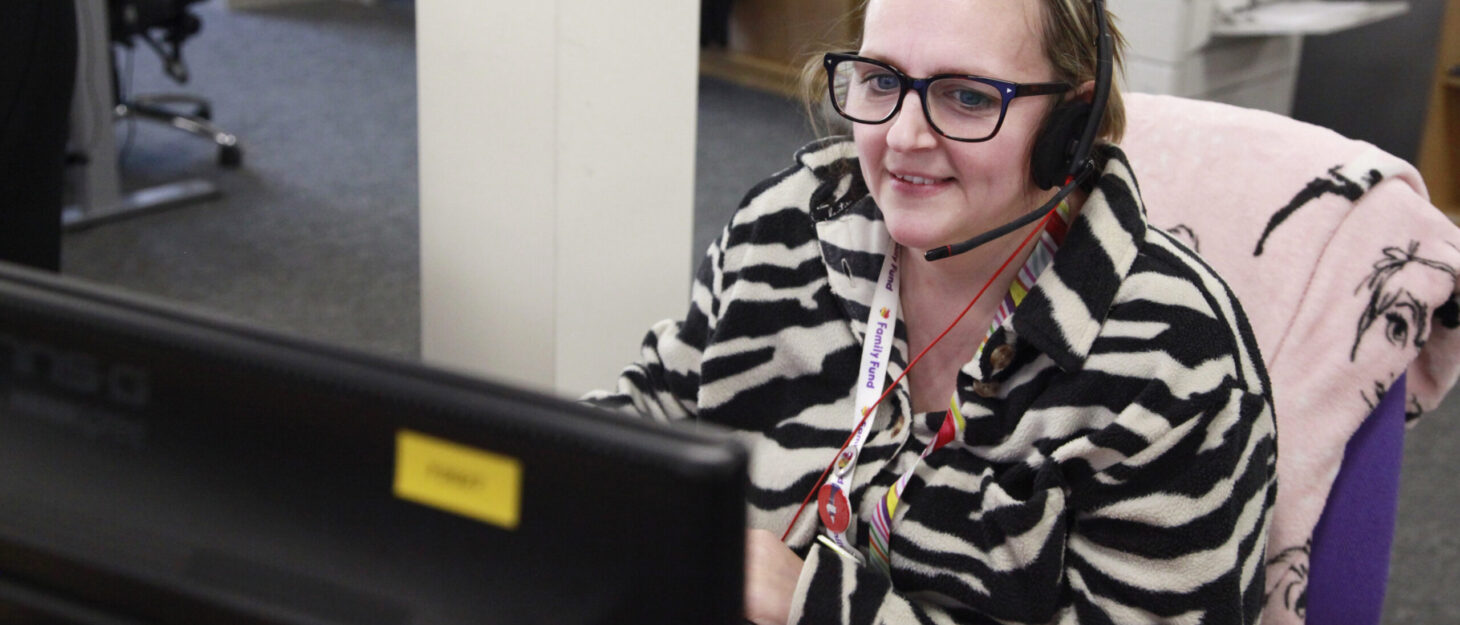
(317, 234)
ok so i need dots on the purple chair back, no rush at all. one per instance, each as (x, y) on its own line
(1350, 561)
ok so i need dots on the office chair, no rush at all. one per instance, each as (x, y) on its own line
(1352, 539)
(163, 25)
(1348, 276)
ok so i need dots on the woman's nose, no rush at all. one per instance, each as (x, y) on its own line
(910, 129)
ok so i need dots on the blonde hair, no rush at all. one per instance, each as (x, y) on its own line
(1069, 31)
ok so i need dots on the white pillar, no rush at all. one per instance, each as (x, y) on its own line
(557, 170)
(93, 110)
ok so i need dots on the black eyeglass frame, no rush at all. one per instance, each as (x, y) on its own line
(920, 85)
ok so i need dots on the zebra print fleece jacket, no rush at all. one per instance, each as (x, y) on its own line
(1118, 460)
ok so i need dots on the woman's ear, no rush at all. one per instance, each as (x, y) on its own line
(1085, 92)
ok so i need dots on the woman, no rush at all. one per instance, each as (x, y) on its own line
(1103, 454)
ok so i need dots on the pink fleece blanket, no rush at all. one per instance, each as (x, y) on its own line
(1346, 271)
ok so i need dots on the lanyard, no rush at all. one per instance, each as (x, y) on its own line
(832, 500)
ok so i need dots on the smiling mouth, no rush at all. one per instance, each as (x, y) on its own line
(918, 180)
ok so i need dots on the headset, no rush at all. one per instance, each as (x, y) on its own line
(1062, 148)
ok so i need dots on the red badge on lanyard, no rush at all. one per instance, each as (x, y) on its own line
(836, 514)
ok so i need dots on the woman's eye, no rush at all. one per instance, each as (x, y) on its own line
(968, 98)
(884, 82)
(963, 97)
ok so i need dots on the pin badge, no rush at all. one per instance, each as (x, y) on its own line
(833, 508)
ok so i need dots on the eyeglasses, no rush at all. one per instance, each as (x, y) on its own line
(957, 106)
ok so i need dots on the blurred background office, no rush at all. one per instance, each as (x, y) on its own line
(319, 230)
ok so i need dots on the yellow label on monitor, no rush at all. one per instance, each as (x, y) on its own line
(458, 479)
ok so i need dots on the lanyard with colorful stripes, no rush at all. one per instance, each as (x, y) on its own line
(953, 423)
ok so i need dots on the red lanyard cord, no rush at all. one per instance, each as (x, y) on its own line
(871, 410)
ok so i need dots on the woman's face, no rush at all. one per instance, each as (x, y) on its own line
(932, 190)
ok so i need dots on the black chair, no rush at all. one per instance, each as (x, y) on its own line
(163, 25)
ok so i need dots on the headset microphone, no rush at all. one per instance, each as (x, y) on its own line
(1056, 152)
(939, 253)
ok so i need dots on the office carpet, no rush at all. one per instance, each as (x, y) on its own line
(317, 234)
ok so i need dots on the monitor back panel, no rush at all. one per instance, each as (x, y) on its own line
(171, 468)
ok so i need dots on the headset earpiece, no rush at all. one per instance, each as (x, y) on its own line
(1054, 148)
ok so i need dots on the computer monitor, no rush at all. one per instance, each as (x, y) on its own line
(163, 466)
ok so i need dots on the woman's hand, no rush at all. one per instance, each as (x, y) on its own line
(771, 571)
